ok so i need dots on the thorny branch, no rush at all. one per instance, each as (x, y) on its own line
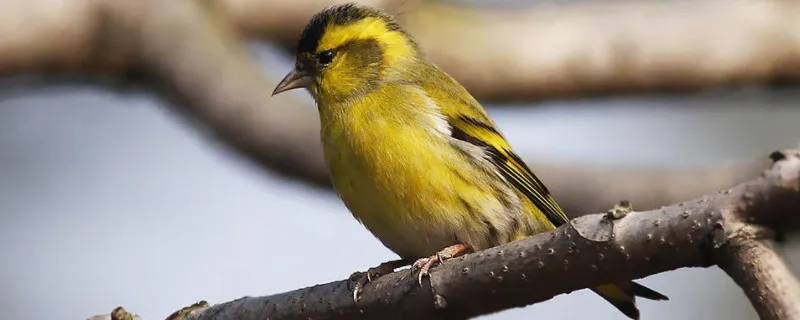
(717, 229)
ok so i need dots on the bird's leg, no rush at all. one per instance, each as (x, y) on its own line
(362, 278)
(424, 264)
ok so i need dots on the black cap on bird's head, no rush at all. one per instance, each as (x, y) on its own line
(312, 55)
(340, 15)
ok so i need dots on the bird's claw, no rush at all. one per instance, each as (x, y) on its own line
(369, 275)
(424, 265)
(357, 292)
(358, 280)
(362, 278)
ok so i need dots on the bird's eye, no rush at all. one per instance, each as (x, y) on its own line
(325, 57)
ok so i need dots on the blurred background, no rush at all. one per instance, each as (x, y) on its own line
(114, 196)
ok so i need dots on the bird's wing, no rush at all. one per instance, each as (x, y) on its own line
(470, 123)
(509, 165)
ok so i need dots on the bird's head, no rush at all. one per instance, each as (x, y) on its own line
(348, 50)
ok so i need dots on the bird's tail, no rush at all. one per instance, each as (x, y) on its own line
(623, 296)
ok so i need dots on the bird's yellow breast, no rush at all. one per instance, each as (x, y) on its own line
(401, 179)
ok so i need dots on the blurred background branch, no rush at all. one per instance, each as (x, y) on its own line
(534, 52)
(197, 61)
(526, 53)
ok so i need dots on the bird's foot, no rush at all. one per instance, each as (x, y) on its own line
(425, 264)
(362, 278)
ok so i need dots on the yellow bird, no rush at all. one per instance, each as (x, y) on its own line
(412, 154)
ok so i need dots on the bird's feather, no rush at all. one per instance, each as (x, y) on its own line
(512, 168)
(470, 123)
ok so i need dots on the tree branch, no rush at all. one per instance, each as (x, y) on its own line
(579, 49)
(592, 250)
(748, 256)
(768, 282)
(560, 51)
(199, 63)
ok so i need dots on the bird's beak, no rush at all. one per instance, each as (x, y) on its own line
(293, 80)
